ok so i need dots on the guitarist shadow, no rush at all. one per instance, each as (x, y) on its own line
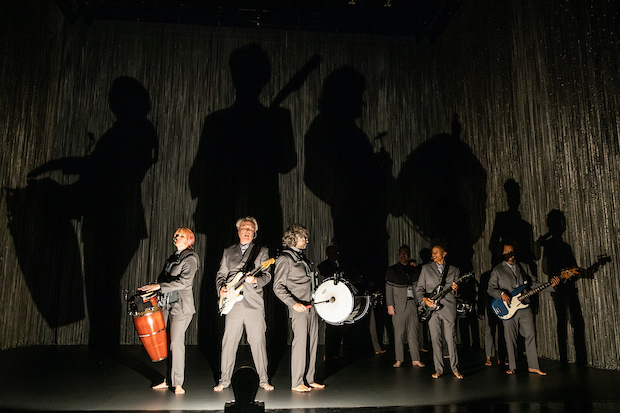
(243, 151)
(559, 260)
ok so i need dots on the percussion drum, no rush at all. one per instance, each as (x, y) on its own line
(337, 302)
(150, 325)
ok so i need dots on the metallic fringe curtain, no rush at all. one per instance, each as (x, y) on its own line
(535, 86)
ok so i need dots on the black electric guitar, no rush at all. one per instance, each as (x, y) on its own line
(425, 312)
(234, 288)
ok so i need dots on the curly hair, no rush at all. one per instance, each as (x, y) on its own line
(294, 233)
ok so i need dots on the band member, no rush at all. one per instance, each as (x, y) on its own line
(175, 281)
(442, 324)
(248, 313)
(400, 282)
(505, 277)
(292, 285)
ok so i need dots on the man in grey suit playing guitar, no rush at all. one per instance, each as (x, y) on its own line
(505, 277)
(249, 312)
(442, 324)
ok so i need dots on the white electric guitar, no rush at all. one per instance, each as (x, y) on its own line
(234, 288)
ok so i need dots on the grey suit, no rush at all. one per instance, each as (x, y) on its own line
(292, 285)
(503, 279)
(445, 317)
(405, 318)
(178, 315)
(249, 313)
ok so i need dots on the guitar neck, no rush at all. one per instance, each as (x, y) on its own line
(447, 291)
(534, 291)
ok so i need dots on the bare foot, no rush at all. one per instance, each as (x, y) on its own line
(161, 386)
(436, 375)
(179, 390)
(537, 371)
(511, 371)
(488, 362)
(317, 386)
(417, 363)
(219, 387)
(458, 375)
(380, 351)
(397, 364)
(267, 387)
(301, 388)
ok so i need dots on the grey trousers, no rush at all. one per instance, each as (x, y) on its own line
(305, 328)
(177, 326)
(522, 322)
(407, 323)
(253, 320)
(441, 327)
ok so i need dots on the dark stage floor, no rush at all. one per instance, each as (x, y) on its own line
(72, 378)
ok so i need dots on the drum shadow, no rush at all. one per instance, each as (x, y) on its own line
(39, 221)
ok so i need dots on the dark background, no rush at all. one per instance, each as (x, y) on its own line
(534, 86)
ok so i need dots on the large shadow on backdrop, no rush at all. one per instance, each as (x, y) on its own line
(107, 197)
(343, 171)
(443, 189)
(509, 226)
(243, 150)
(557, 257)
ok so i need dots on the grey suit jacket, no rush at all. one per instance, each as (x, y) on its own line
(504, 280)
(232, 262)
(431, 278)
(185, 271)
(291, 283)
(395, 294)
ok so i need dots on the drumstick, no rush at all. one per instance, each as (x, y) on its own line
(331, 300)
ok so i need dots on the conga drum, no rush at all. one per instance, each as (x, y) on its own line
(150, 325)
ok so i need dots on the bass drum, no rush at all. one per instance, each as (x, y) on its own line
(337, 303)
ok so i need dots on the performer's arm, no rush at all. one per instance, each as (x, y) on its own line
(265, 277)
(279, 284)
(185, 279)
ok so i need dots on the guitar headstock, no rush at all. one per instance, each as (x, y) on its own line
(467, 276)
(267, 263)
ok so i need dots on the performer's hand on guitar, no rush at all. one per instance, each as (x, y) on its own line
(250, 279)
(391, 310)
(299, 307)
(455, 286)
(223, 291)
(555, 281)
(150, 287)
(429, 302)
(506, 298)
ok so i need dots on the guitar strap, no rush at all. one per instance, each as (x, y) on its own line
(526, 278)
(444, 274)
(249, 263)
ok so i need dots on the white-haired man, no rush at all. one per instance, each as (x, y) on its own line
(248, 313)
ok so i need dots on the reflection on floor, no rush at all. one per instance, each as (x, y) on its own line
(72, 378)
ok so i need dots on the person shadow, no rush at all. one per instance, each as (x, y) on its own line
(442, 185)
(107, 197)
(243, 151)
(557, 258)
(509, 226)
(343, 170)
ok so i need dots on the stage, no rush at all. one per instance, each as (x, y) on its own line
(74, 378)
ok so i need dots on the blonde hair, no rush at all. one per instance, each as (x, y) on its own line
(248, 219)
